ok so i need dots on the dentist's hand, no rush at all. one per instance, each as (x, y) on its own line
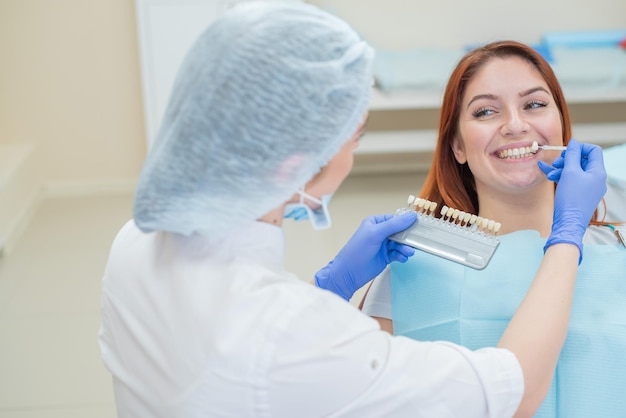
(366, 254)
(581, 184)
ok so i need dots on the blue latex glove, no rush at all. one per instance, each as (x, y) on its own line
(297, 214)
(366, 254)
(581, 184)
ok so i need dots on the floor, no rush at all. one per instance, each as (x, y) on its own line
(50, 364)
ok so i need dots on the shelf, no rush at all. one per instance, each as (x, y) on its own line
(431, 99)
(405, 99)
(397, 142)
(579, 95)
(424, 141)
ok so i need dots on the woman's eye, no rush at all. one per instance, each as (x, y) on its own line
(482, 112)
(535, 104)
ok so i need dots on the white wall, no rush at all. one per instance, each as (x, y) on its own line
(398, 24)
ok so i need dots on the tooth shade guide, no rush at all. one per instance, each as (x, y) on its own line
(454, 235)
(536, 146)
(421, 206)
(454, 216)
(553, 147)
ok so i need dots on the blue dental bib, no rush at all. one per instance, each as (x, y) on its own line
(435, 299)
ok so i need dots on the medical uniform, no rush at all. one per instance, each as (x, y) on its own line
(199, 328)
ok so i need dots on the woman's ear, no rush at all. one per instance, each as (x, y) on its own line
(459, 152)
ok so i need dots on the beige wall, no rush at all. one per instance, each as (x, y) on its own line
(70, 82)
(398, 24)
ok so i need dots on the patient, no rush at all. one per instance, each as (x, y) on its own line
(499, 99)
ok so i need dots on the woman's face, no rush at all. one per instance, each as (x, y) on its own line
(506, 106)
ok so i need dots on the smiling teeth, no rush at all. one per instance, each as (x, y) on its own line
(516, 152)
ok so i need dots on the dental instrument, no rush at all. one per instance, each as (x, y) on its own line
(457, 236)
(536, 147)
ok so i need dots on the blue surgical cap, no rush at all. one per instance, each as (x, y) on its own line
(263, 100)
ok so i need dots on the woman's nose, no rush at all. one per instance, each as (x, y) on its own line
(515, 124)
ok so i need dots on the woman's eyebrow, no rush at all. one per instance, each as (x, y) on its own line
(482, 96)
(531, 91)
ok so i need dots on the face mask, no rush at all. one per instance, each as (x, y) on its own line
(319, 218)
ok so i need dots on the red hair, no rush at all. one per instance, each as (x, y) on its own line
(448, 182)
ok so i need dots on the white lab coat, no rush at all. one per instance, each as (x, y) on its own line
(194, 328)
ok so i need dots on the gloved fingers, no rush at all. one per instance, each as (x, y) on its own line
(400, 258)
(587, 149)
(552, 173)
(592, 157)
(377, 219)
(297, 214)
(369, 227)
(396, 223)
(555, 175)
(577, 152)
(558, 162)
(545, 167)
(572, 155)
(587, 157)
(583, 155)
(396, 247)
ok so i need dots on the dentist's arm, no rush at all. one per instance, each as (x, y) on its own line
(538, 329)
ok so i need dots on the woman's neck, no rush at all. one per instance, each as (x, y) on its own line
(275, 216)
(531, 210)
